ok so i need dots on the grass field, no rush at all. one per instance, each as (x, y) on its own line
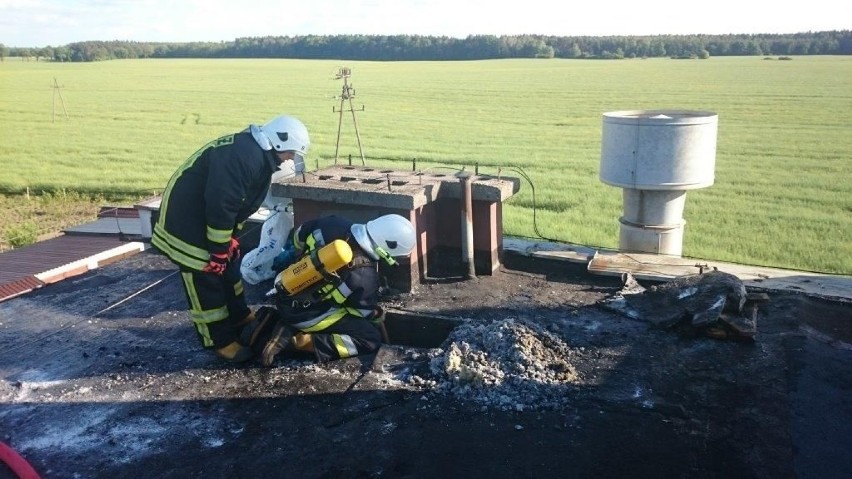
(783, 190)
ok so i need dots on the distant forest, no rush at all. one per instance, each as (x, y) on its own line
(474, 47)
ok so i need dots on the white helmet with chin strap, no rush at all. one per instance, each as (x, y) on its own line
(284, 133)
(386, 237)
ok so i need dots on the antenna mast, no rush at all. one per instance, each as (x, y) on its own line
(56, 91)
(346, 94)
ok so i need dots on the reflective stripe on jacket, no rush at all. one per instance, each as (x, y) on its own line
(357, 292)
(213, 192)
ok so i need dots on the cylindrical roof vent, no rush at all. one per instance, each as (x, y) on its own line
(658, 149)
(656, 155)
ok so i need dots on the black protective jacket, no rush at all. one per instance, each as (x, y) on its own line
(210, 196)
(356, 293)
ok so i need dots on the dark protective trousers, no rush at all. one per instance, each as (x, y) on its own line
(347, 337)
(216, 304)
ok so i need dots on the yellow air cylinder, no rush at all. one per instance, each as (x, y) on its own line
(309, 269)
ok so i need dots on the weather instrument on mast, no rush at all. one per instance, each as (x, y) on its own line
(347, 92)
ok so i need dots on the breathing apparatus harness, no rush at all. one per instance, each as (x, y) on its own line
(309, 280)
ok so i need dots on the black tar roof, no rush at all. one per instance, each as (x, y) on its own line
(103, 377)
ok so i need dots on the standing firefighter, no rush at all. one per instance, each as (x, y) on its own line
(335, 317)
(204, 206)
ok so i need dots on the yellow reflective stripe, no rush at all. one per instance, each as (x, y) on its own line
(238, 288)
(204, 332)
(311, 242)
(210, 315)
(199, 317)
(178, 250)
(218, 236)
(197, 314)
(338, 294)
(176, 255)
(345, 346)
(180, 244)
(322, 321)
(298, 244)
(164, 203)
(194, 303)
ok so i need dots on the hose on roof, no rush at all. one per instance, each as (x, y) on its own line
(16, 463)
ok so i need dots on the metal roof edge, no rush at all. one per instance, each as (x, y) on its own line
(91, 262)
(657, 267)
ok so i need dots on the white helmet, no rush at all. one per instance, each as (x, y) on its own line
(287, 133)
(385, 237)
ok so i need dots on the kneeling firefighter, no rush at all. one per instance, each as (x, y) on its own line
(335, 317)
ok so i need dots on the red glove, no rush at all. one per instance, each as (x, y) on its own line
(234, 249)
(217, 264)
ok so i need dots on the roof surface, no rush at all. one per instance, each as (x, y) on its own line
(103, 377)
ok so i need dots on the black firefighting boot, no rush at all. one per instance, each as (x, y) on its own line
(257, 332)
(280, 339)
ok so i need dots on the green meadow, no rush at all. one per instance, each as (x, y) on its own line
(782, 195)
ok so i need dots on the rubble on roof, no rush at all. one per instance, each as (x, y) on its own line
(715, 304)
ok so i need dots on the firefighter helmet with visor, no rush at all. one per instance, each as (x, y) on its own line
(386, 237)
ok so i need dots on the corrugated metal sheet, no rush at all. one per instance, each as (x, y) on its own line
(12, 288)
(19, 266)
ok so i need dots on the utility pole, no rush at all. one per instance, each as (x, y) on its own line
(56, 91)
(346, 94)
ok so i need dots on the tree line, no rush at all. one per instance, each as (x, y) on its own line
(473, 47)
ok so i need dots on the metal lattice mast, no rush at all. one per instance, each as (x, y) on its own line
(346, 94)
(56, 91)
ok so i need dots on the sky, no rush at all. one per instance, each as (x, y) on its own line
(39, 23)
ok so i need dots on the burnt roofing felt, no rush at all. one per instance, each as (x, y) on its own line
(103, 377)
